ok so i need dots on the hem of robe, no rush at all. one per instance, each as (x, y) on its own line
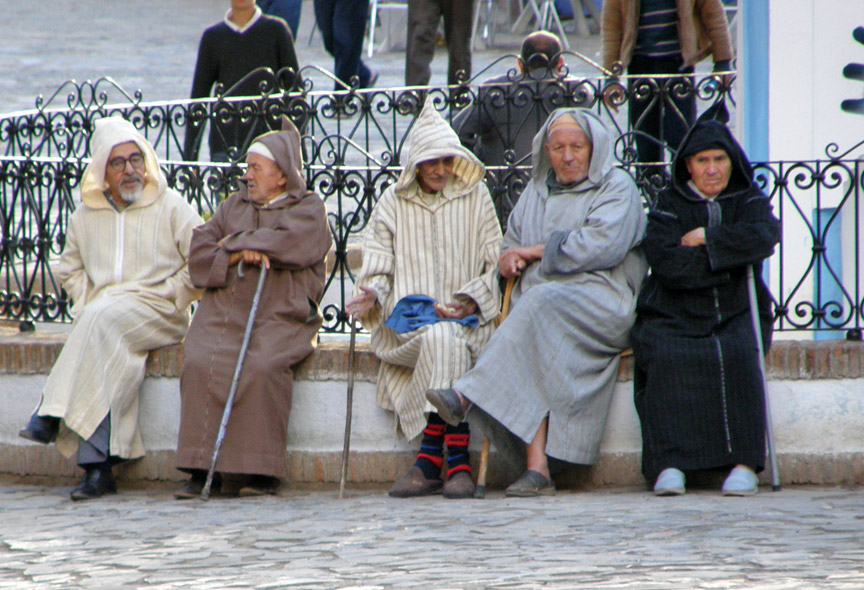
(242, 463)
(511, 421)
(487, 386)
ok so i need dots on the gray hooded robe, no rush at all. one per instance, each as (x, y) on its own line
(556, 354)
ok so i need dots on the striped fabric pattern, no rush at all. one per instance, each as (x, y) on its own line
(446, 247)
(101, 365)
(657, 35)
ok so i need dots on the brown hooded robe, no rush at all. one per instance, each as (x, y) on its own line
(294, 234)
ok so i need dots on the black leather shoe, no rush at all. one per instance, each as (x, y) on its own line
(96, 483)
(41, 429)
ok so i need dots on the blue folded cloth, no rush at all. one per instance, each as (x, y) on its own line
(415, 311)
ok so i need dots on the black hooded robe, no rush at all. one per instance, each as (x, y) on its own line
(698, 390)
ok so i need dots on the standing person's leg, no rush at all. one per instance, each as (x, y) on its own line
(324, 11)
(423, 17)
(287, 10)
(348, 40)
(457, 32)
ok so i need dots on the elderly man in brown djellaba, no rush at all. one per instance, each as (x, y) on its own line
(124, 268)
(275, 223)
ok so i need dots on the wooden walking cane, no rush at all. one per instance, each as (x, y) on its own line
(226, 413)
(757, 330)
(480, 489)
(346, 445)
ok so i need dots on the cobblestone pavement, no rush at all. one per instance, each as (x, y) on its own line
(799, 538)
(152, 45)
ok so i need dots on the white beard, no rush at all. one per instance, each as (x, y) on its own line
(133, 195)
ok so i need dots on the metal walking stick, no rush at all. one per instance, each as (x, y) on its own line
(757, 330)
(346, 445)
(205, 492)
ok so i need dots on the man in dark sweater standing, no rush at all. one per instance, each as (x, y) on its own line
(246, 40)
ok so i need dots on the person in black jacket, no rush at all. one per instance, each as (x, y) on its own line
(229, 51)
(698, 388)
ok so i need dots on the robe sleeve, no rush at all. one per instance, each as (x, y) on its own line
(484, 289)
(208, 262)
(299, 239)
(71, 272)
(183, 222)
(378, 259)
(613, 226)
(674, 265)
(755, 230)
(750, 239)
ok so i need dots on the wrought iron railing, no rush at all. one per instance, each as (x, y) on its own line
(353, 140)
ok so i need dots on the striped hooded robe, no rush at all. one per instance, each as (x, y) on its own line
(697, 384)
(557, 353)
(293, 233)
(446, 247)
(126, 273)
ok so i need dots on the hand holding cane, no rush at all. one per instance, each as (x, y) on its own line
(205, 492)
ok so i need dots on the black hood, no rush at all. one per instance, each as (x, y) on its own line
(710, 132)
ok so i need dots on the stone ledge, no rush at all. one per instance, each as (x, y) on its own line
(613, 469)
(34, 353)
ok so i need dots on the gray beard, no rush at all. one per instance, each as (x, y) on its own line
(131, 196)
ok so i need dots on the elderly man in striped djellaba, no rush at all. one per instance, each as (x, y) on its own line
(428, 292)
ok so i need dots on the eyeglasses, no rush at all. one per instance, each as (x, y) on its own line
(118, 164)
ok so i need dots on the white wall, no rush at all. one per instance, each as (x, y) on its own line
(810, 43)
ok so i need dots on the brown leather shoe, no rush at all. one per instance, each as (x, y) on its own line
(414, 484)
(259, 485)
(531, 484)
(459, 486)
(195, 486)
(448, 404)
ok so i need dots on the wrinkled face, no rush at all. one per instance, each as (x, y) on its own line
(264, 179)
(710, 171)
(570, 153)
(432, 175)
(125, 172)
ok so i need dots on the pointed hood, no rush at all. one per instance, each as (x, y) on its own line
(710, 132)
(602, 157)
(431, 138)
(284, 145)
(107, 133)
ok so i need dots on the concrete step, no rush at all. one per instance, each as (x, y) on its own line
(814, 389)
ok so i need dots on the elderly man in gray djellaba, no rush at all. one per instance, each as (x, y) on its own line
(572, 240)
